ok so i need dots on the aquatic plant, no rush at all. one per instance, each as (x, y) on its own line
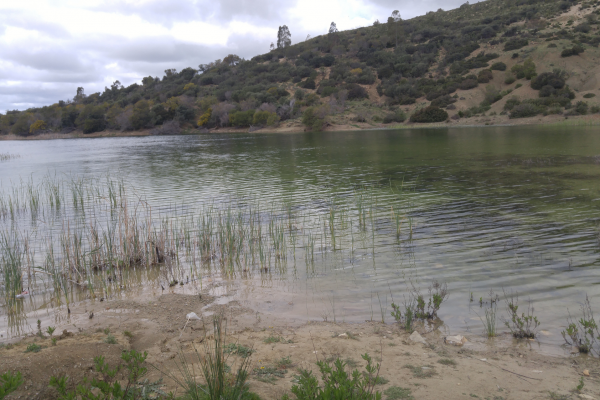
(522, 326)
(582, 333)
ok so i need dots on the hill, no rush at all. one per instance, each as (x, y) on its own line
(491, 62)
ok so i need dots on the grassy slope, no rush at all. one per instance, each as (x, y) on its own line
(433, 59)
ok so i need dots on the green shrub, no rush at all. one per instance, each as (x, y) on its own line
(553, 79)
(356, 91)
(141, 116)
(524, 110)
(312, 120)
(510, 78)
(499, 66)
(337, 383)
(241, 118)
(9, 382)
(525, 70)
(109, 386)
(429, 114)
(573, 51)
(515, 44)
(581, 108)
(589, 95)
(398, 116)
(484, 76)
(492, 95)
(468, 84)
(308, 84)
(265, 118)
(33, 348)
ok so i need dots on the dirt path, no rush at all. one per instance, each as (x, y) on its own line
(431, 371)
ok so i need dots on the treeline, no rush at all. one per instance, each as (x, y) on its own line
(318, 75)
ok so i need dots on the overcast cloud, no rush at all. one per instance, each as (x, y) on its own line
(50, 47)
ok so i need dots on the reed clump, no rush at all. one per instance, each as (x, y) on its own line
(74, 235)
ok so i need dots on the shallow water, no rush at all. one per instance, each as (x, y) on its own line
(504, 208)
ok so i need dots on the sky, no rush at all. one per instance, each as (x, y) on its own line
(48, 48)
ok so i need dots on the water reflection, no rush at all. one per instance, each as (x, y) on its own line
(513, 208)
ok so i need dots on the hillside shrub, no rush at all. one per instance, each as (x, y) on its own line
(515, 44)
(547, 91)
(525, 70)
(511, 103)
(552, 79)
(443, 101)
(468, 84)
(241, 118)
(485, 76)
(308, 84)
(314, 118)
(492, 95)
(265, 118)
(499, 66)
(581, 108)
(356, 91)
(524, 110)
(510, 78)
(589, 95)
(429, 114)
(397, 116)
(573, 51)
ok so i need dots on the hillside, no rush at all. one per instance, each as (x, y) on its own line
(498, 61)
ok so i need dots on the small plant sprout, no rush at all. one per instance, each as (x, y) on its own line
(490, 317)
(54, 341)
(110, 339)
(581, 334)
(579, 387)
(522, 326)
(50, 330)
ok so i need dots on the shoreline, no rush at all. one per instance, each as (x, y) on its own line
(295, 127)
(480, 369)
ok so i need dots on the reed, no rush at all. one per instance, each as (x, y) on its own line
(88, 235)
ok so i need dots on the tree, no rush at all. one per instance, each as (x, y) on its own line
(395, 25)
(232, 60)
(141, 117)
(272, 46)
(79, 96)
(284, 37)
(38, 125)
(333, 28)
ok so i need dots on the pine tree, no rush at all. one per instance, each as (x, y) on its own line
(333, 28)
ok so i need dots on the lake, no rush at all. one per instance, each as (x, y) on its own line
(312, 226)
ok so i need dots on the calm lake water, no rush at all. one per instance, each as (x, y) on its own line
(500, 208)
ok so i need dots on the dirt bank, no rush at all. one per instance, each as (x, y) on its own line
(155, 325)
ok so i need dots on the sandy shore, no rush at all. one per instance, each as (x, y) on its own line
(478, 369)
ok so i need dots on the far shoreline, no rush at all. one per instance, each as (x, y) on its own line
(296, 127)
